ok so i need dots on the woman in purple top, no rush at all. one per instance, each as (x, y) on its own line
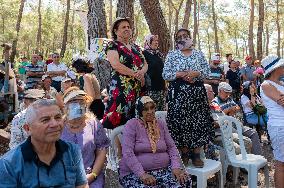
(84, 129)
(149, 155)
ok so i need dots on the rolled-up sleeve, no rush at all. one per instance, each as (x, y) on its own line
(169, 71)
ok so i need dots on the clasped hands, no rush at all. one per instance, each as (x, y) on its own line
(179, 174)
(140, 75)
(188, 75)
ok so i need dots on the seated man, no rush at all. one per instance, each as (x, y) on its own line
(216, 112)
(230, 108)
(43, 160)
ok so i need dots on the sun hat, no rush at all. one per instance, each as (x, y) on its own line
(73, 94)
(225, 87)
(44, 77)
(270, 63)
(34, 94)
(66, 79)
(116, 22)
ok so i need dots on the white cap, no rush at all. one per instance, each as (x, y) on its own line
(270, 63)
(225, 87)
(215, 57)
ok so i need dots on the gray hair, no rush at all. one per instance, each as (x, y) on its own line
(32, 110)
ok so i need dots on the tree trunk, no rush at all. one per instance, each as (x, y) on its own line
(110, 14)
(217, 49)
(186, 17)
(38, 38)
(250, 36)
(195, 25)
(72, 24)
(125, 8)
(259, 50)
(170, 23)
(267, 40)
(198, 19)
(18, 26)
(177, 11)
(208, 44)
(278, 28)
(65, 30)
(97, 27)
(156, 22)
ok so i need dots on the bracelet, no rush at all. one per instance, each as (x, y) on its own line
(94, 175)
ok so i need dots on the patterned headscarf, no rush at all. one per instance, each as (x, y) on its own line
(147, 46)
(152, 128)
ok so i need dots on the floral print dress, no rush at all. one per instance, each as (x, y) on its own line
(123, 90)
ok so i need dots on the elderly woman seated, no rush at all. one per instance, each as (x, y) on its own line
(84, 129)
(149, 155)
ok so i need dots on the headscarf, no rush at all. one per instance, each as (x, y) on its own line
(147, 46)
(151, 127)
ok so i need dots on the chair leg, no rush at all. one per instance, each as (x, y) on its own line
(220, 176)
(252, 177)
(201, 181)
(266, 173)
(236, 172)
(224, 164)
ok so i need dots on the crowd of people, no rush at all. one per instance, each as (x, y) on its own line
(60, 136)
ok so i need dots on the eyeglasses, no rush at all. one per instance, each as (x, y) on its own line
(183, 36)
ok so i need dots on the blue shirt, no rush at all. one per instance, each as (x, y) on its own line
(21, 167)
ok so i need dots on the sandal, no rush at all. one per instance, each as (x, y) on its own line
(196, 160)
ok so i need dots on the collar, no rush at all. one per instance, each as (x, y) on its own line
(30, 155)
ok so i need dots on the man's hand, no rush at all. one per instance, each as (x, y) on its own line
(148, 179)
(180, 175)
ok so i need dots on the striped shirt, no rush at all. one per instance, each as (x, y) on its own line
(33, 80)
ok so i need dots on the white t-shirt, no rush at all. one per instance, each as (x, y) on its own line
(246, 108)
(59, 67)
(226, 67)
(275, 111)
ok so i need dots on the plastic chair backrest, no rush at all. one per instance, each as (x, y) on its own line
(115, 132)
(226, 125)
(161, 115)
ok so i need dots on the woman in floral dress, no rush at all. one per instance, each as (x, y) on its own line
(129, 68)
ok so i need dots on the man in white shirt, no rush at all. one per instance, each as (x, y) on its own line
(56, 71)
(226, 65)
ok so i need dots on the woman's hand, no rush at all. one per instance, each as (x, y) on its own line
(148, 179)
(90, 178)
(193, 74)
(180, 175)
(139, 75)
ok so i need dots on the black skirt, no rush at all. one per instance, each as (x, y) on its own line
(189, 117)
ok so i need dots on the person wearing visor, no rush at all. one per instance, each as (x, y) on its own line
(272, 94)
(65, 84)
(85, 130)
(43, 160)
(18, 134)
(149, 155)
(217, 74)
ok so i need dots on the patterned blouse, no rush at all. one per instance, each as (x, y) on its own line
(18, 134)
(176, 62)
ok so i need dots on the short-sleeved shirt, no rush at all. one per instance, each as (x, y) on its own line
(33, 80)
(22, 67)
(244, 101)
(215, 74)
(234, 79)
(21, 167)
(59, 67)
(248, 72)
(217, 101)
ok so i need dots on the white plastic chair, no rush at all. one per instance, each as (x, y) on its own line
(210, 166)
(113, 159)
(252, 163)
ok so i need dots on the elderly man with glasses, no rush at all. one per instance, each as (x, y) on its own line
(43, 160)
(57, 71)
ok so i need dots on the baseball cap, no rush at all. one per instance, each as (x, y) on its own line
(215, 57)
(44, 77)
(248, 58)
(225, 87)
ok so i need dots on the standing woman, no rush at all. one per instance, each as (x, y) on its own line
(91, 86)
(188, 118)
(155, 62)
(272, 94)
(129, 68)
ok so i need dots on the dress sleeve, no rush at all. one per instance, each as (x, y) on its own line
(102, 141)
(205, 68)
(111, 46)
(171, 147)
(128, 145)
(170, 66)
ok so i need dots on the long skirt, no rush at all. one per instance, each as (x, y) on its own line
(189, 117)
(164, 179)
